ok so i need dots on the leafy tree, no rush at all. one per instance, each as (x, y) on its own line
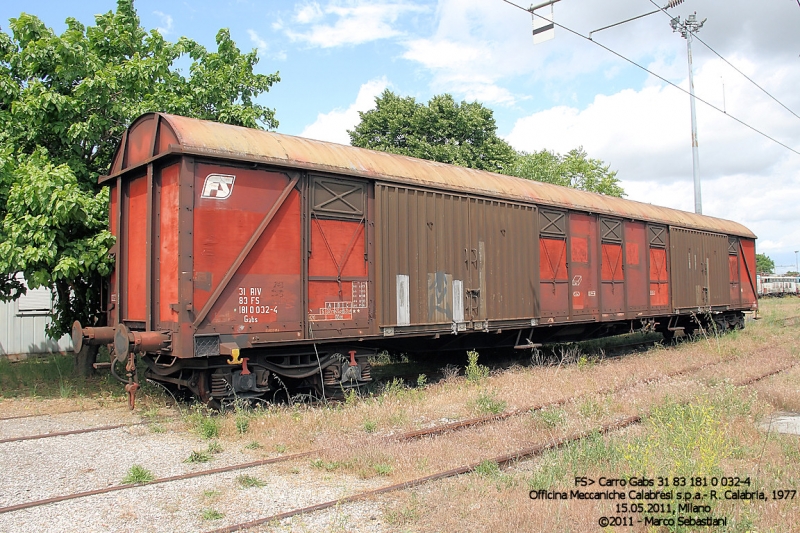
(442, 130)
(465, 134)
(574, 169)
(65, 101)
(764, 265)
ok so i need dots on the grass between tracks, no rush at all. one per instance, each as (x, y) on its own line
(698, 424)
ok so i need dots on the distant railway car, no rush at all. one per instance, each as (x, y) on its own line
(777, 286)
(249, 260)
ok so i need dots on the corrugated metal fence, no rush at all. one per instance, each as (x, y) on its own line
(23, 323)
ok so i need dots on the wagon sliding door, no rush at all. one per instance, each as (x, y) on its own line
(338, 259)
(700, 268)
(449, 262)
(612, 278)
(554, 286)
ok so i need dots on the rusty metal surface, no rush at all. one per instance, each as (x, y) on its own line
(700, 271)
(211, 138)
(453, 260)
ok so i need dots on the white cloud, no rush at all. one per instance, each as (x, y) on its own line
(645, 135)
(260, 43)
(333, 126)
(353, 23)
(166, 23)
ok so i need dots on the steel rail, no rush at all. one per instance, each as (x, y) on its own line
(115, 488)
(406, 436)
(70, 432)
(500, 460)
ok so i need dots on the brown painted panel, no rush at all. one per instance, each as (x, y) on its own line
(553, 278)
(700, 268)
(583, 264)
(423, 256)
(502, 235)
(169, 207)
(636, 282)
(135, 291)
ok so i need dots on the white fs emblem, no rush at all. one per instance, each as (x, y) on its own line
(218, 186)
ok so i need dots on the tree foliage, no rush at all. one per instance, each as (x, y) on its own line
(575, 169)
(442, 130)
(465, 134)
(65, 101)
(764, 265)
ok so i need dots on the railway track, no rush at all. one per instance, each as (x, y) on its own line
(429, 432)
(501, 460)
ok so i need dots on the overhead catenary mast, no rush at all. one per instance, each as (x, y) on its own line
(688, 28)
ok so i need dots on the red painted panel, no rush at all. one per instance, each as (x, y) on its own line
(337, 252)
(136, 250)
(612, 262)
(612, 276)
(659, 278)
(733, 269)
(553, 278)
(747, 265)
(168, 244)
(552, 259)
(636, 266)
(140, 141)
(165, 137)
(265, 293)
(112, 226)
(337, 248)
(223, 225)
(583, 264)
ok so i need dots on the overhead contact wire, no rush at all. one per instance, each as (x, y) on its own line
(694, 36)
(632, 62)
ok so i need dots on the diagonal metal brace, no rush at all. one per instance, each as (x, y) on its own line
(245, 251)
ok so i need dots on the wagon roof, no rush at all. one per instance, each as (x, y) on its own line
(148, 138)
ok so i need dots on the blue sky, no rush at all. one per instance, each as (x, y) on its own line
(335, 56)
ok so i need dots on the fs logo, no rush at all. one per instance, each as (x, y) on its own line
(218, 186)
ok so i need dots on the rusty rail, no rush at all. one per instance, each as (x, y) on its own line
(70, 432)
(501, 460)
(189, 475)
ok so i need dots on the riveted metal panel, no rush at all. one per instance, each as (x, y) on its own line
(700, 269)
(467, 259)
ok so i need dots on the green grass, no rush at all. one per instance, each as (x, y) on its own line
(475, 373)
(198, 457)
(254, 445)
(382, 469)
(204, 422)
(211, 514)
(137, 474)
(550, 418)
(487, 403)
(247, 482)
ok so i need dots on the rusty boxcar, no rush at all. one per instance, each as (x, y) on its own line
(247, 260)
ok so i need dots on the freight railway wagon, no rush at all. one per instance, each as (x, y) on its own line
(247, 261)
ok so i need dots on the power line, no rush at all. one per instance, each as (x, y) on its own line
(733, 66)
(631, 61)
